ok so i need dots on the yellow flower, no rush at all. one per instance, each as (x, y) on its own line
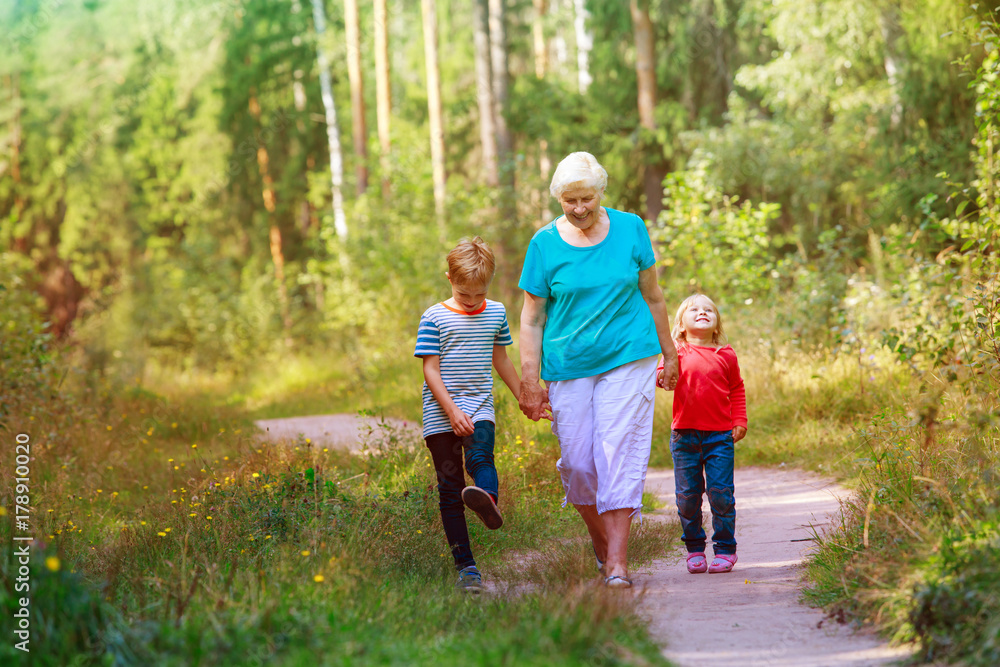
(162, 534)
(268, 537)
(308, 441)
(318, 578)
(167, 529)
(208, 518)
(174, 425)
(256, 475)
(52, 563)
(194, 446)
(142, 523)
(193, 514)
(100, 490)
(170, 460)
(420, 532)
(3, 511)
(109, 428)
(305, 553)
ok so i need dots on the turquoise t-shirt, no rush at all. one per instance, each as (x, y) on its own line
(596, 318)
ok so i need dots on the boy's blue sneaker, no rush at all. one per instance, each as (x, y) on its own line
(470, 580)
(481, 502)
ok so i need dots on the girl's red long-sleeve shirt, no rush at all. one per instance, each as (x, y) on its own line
(710, 395)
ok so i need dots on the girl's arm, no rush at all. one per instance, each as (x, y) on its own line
(460, 422)
(737, 400)
(505, 369)
(533, 397)
(653, 297)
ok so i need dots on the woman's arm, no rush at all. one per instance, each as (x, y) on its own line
(533, 396)
(505, 369)
(653, 297)
(460, 422)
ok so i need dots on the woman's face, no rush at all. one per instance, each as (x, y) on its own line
(580, 205)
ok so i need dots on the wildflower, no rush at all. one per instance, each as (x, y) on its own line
(170, 460)
(3, 511)
(167, 529)
(420, 532)
(142, 523)
(308, 441)
(50, 510)
(268, 537)
(162, 534)
(52, 563)
(318, 578)
(208, 518)
(100, 490)
(305, 553)
(194, 446)
(109, 428)
(174, 425)
(256, 475)
(193, 514)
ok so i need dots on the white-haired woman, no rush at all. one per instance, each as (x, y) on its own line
(594, 323)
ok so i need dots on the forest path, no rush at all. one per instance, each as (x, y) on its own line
(752, 616)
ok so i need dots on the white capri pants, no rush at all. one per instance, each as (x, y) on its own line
(604, 424)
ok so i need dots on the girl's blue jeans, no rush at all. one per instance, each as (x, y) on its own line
(700, 458)
(449, 452)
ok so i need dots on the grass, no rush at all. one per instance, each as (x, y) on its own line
(171, 535)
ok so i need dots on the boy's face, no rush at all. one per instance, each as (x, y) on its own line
(468, 297)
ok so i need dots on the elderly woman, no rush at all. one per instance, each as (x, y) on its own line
(593, 324)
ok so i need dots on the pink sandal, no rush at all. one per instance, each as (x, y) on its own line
(696, 562)
(722, 563)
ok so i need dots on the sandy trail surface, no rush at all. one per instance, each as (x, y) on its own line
(750, 617)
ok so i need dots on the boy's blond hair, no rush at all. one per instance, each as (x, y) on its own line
(678, 334)
(471, 262)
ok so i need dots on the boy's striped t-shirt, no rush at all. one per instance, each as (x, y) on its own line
(464, 341)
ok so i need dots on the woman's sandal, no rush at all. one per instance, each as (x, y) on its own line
(696, 562)
(600, 563)
(722, 563)
(615, 581)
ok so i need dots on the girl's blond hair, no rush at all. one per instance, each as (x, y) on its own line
(678, 334)
(580, 168)
(471, 262)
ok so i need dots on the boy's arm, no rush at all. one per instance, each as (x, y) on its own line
(460, 422)
(506, 371)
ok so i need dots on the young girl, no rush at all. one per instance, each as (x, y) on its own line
(710, 416)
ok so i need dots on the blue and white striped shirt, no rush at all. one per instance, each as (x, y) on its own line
(464, 341)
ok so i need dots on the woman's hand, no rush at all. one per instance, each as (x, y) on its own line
(668, 375)
(534, 401)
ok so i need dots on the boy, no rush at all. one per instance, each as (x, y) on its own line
(458, 340)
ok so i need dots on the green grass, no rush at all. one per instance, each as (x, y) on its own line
(183, 540)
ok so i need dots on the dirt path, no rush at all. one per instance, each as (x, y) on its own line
(751, 617)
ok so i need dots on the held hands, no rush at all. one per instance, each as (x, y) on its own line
(667, 376)
(461, 424)
(739, 432)
(534, 401)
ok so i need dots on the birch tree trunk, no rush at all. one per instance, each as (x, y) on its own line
(358, 126)
(484, 92)
(332, 131)
(541, 52)
(584, 43)
(429, 12)
(645, 69)
(383, 98)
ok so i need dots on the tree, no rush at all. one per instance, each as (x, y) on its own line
(429, 11)
(645, 67)
(484, 92)
(332, 129)
(584, 43)
(383, 95)
(358, 125)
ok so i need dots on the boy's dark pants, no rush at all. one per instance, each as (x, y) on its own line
(701, 455)
(449, 452)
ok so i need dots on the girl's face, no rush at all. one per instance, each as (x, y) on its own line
(700, 319)
(580, 206)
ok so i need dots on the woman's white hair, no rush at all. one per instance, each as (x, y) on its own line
(580, 169)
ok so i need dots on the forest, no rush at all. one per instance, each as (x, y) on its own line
(215, 211)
